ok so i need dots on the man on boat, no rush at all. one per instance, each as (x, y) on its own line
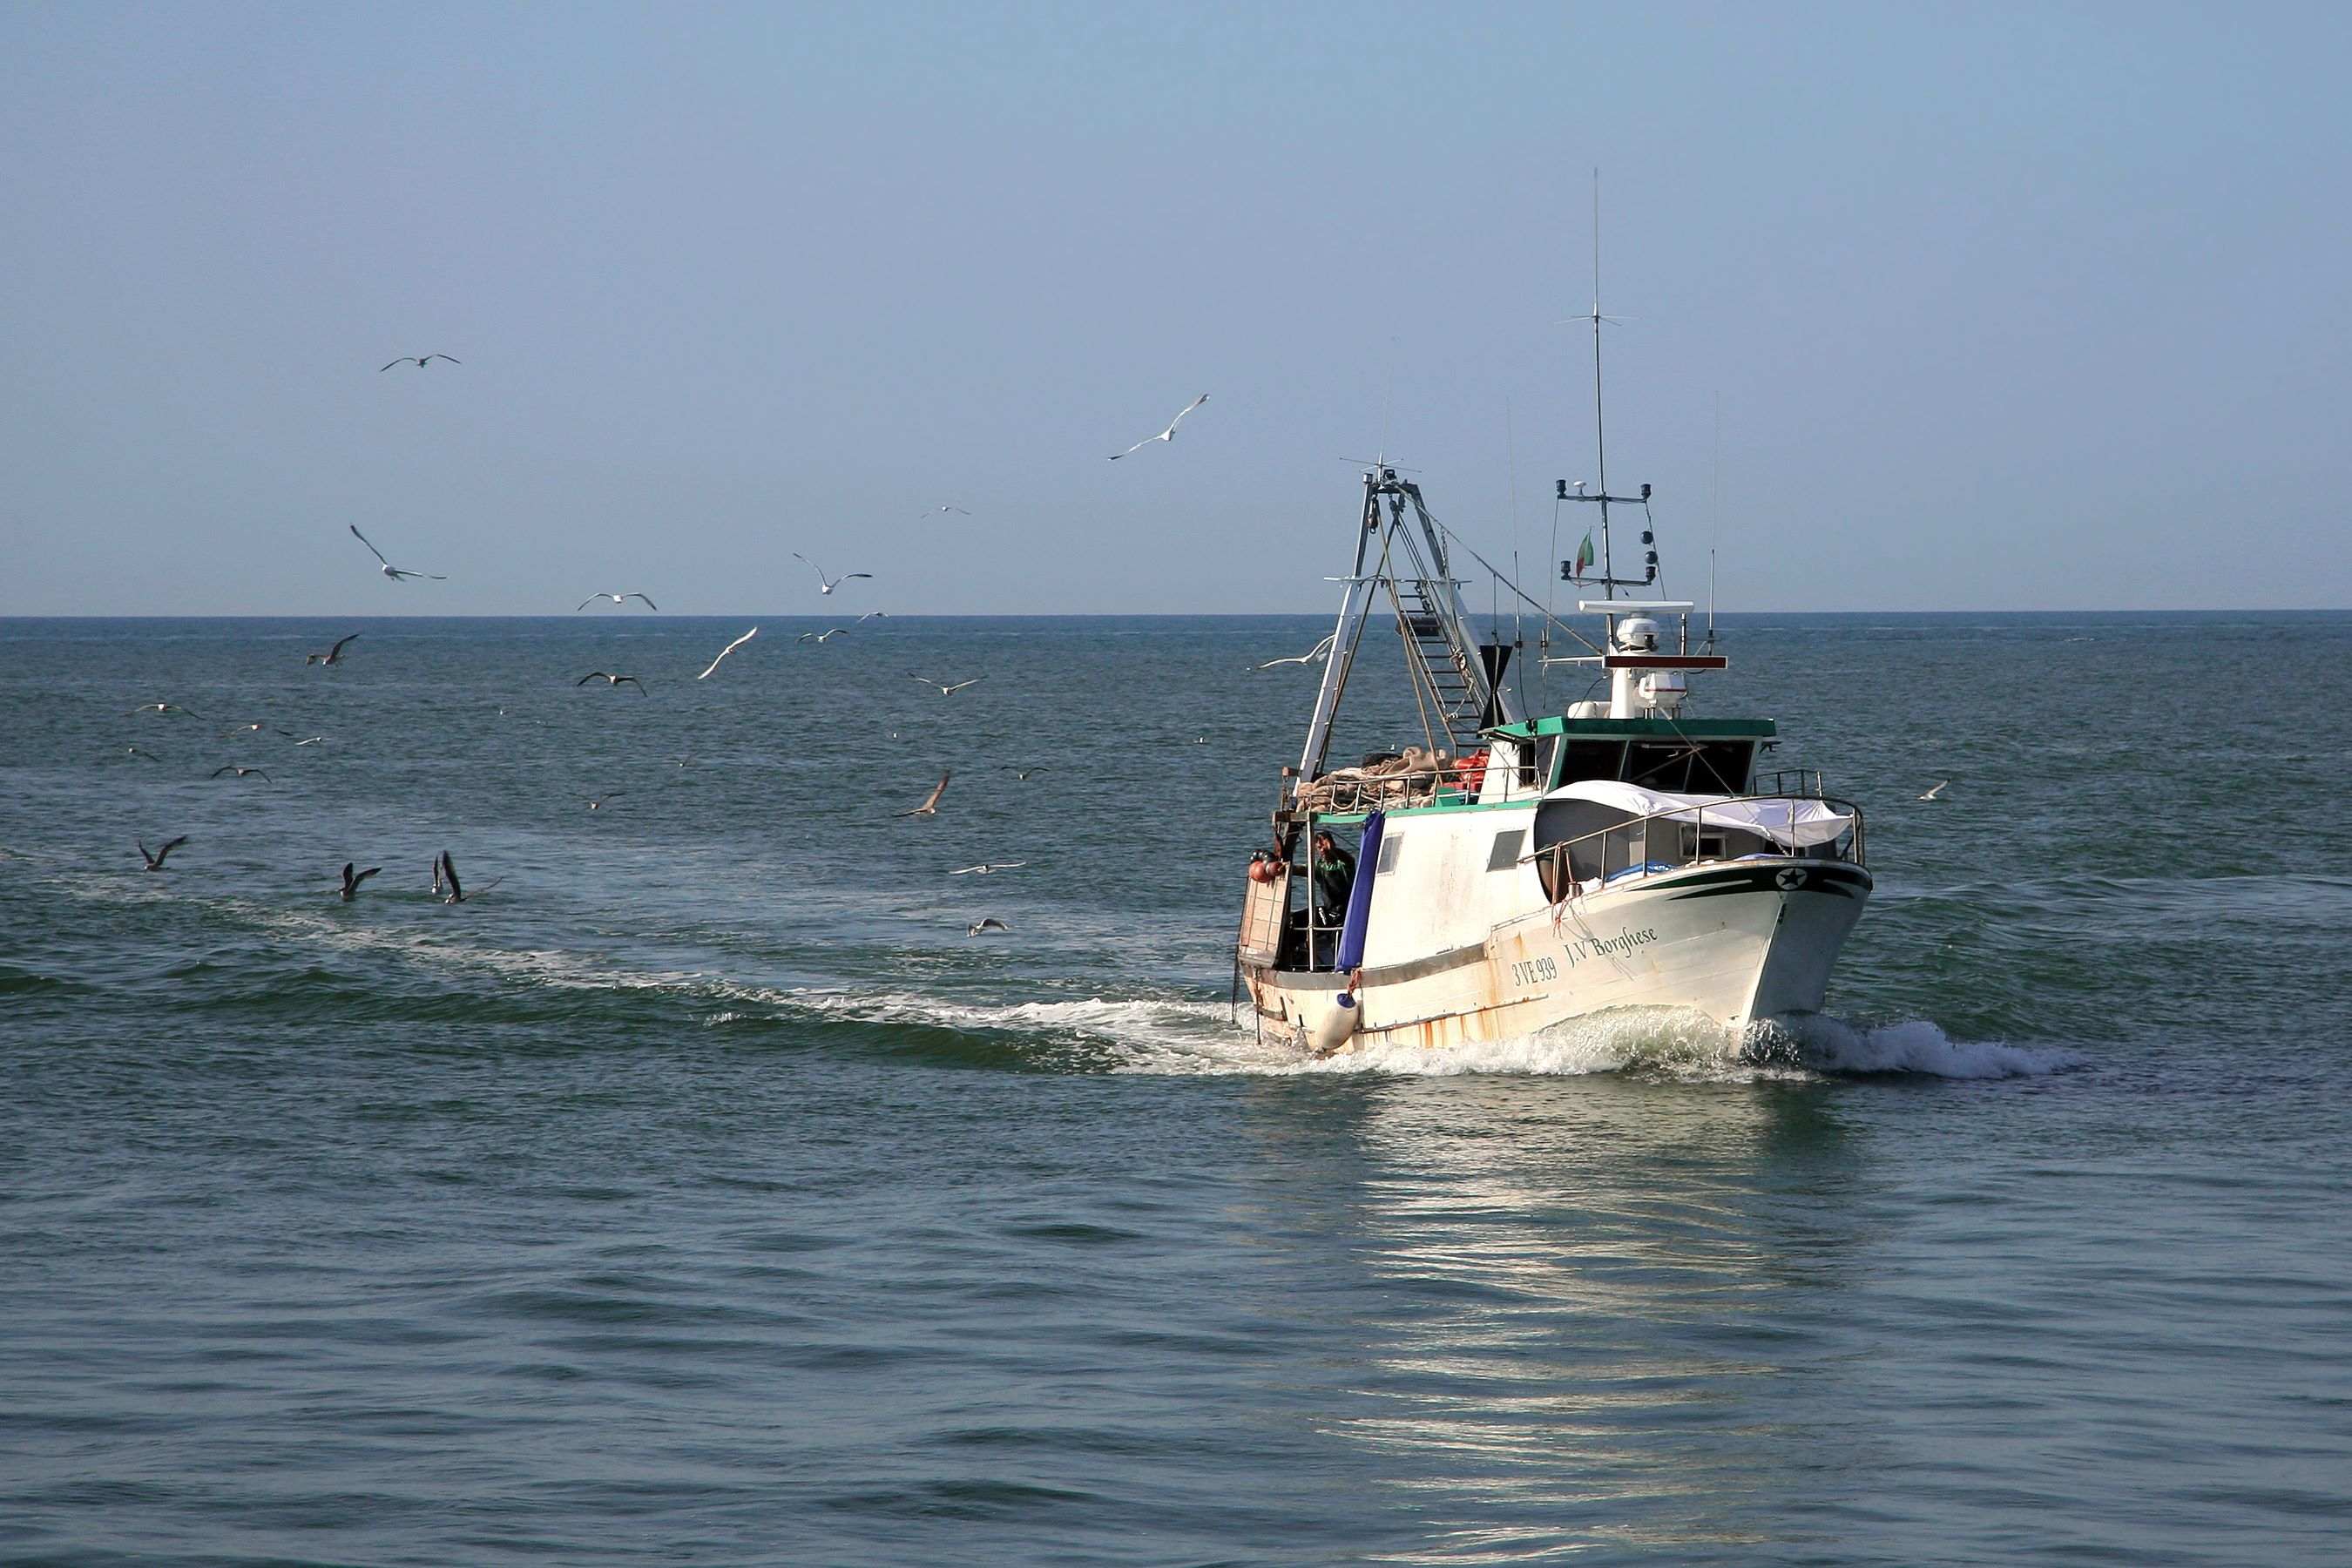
(1335, 878)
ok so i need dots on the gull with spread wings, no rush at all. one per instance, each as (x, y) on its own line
(943, 690)
(724, 652)
(930, 806)
(420, 361)
(333, 655)
(616, 598)
(825, 585)
(1167, 434)
(395, 572)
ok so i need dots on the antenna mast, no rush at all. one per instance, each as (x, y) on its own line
(1609, 580)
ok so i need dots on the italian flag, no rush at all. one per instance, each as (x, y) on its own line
(1584, 556)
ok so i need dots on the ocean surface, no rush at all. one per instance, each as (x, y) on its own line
(701, 1193)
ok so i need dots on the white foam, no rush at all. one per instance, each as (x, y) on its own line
(1912, 1046)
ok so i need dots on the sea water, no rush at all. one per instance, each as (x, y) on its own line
(701, 1191)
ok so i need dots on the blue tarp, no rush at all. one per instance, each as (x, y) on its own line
(1360, 897)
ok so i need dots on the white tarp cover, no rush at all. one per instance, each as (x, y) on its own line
(1798, 824)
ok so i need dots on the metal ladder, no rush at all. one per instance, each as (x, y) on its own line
(1456, 691)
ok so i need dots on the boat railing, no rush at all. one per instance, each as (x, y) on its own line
(1554, 863)
(1790, 783)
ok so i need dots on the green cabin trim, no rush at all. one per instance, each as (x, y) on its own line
(1645, 729)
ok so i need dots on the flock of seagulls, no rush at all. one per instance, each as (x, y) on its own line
(446, 883)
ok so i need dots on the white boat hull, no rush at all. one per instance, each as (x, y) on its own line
(1737, 941)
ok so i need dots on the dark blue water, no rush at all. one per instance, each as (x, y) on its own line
(702, 1192)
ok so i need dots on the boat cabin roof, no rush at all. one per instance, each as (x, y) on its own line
(1642, 729)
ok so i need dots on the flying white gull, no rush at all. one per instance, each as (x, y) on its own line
(354, 877)
(937, 510)
(241, 772)
(989, 923)
(822, 637)
(333, 655)
(1937, 791)
(420, 361)
(946, 691)
(155, 861)
(985, 868)
(1020, 775)
(1167, 434)
(1315, 655)
(724, 652)
(871, 615)
(930, 806)
(616, 598)
(611, 680)
(597, 803)
(828, 584)
(395, 572)
(163, 708)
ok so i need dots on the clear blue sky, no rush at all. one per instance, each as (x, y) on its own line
(2004, 306)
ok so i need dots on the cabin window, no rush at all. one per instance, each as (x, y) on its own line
(1690, 767)
(1704, 844)
(1390, 844)
(1506, 852)
(1591, 760)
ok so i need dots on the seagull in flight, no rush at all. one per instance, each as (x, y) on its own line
(395, 572)
(332, 656)
(241, 772)
(1937, 791)
(871, 615)
(1167, 434)
(828, 584)
(930, 806)
(616, 598)
(985, 868)
(144, 756)
(1020, 775)
(155, 861)
(937, 510)
(444, 881)
(351, 888)
(420, 361)
(255, 728)
(163, 708)
(611, 680)
(946, 691)
(821, 637)
(724, 652)
(596, 803)
(989, 923)
(1315, 655)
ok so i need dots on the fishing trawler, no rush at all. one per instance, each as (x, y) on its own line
(1513, 870)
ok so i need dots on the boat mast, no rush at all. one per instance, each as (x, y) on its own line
(1609, 580)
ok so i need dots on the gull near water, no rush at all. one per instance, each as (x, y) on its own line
(1312, 656)
(946, 691)
(985, 868)
(1167, 434)
(828, 584)
(242, 772)
(616, 598)
(611, 679)
(352, 881)
(163, 708)
(930, 806)
(398, 574)
(820, 637)
(333, 655)
(989, 923)
(724, 652)
(155, 861)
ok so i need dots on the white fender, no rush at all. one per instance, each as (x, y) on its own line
(1335, 1027)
